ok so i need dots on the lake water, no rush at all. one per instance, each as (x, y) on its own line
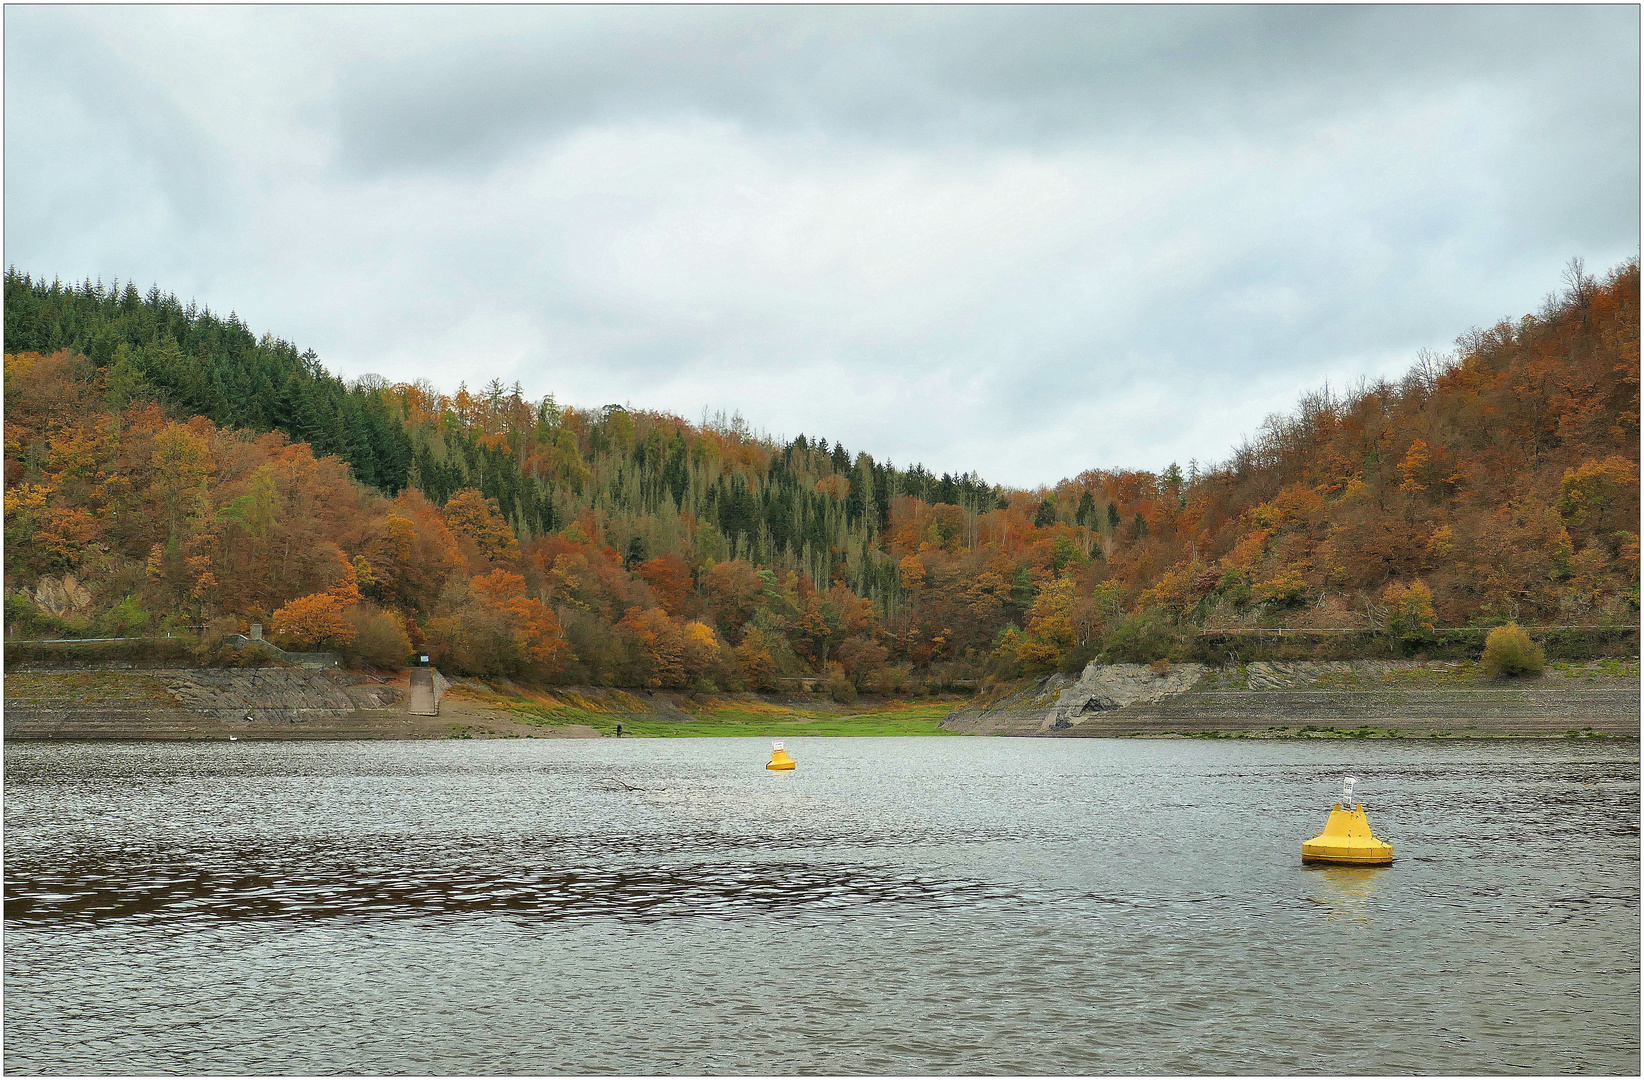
(892, 906)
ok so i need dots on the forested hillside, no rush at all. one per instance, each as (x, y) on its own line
(203, 365)
(182, 471)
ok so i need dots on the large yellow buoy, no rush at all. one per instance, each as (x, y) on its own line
(779, 757)
(1347, 837)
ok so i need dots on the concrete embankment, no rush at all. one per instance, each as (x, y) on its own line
(1303, 697)
(108, 702)
(1259, 699)
(202, 703)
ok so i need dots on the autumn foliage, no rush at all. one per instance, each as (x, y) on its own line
(313, 622)
(628, 548)
(1509, 651)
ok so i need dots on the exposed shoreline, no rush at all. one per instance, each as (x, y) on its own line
(1357, 699)
(125, 703)
(1313, 699)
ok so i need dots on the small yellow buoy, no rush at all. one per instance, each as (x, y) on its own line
(1347, 837)
(779, 757)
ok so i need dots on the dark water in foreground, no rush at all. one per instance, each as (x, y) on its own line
(893, 906)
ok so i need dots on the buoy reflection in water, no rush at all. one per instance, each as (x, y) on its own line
(1346, 890)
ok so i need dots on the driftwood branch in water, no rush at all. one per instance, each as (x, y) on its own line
(625, 785)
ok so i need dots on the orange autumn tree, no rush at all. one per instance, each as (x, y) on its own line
(754, 661)
(475, 518)
(536, 631)
(670, 580)
(1600, 497)
(734, 592)
(1409, 610)
(659, 647)
(701, 652)
(313, 622)
(498, 628)
(1050, 635)
(412, 552)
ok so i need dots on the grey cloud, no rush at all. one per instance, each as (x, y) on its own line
(1020, 241)
(995, 75)
(103, 145)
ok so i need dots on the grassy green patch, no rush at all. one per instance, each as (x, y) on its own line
(1609, 667)
(722, 716)
(564, 716)
(1436, 675)
(1337, 680)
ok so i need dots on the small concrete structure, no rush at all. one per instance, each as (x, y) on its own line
(427, 687)
(317, 661)
(314, 660)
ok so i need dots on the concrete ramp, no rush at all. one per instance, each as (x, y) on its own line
(427, 687)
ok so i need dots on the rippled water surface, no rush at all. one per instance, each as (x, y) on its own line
(892, 906)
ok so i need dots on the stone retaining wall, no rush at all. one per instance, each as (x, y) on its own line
(1284, 698)
(196, 703)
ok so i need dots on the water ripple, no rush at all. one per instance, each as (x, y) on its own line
(893, 907)
(99, 890)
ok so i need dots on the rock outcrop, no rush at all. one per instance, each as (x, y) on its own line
(1285, 698)
(1057, 704)
(60, 596)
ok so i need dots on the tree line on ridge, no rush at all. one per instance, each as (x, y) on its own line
(175, 469)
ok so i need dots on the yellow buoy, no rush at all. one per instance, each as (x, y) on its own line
(779, 757)
(1347, 837)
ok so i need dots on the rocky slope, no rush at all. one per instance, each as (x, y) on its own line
(1434, 698)
(45, 701)
(192, 703)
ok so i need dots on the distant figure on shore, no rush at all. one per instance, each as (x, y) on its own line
(619, 731)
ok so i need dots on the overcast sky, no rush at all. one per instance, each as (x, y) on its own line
(1019, 241)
